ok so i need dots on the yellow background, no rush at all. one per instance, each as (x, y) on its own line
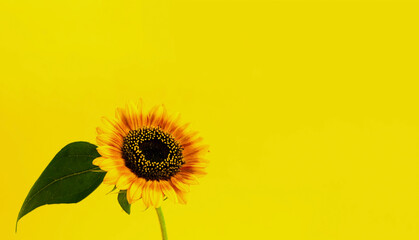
(310, 108)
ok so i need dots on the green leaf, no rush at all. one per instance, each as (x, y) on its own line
(69, 178)
(122, 199)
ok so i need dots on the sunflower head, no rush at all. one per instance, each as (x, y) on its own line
(151, 155)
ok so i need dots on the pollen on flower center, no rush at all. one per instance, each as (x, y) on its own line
(152, 154)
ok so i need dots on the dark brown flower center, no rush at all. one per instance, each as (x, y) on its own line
(152, 154)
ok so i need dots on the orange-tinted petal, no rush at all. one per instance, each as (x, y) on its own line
(152, 115)
(168, 190)
(138, 110)
(181, 195)
(174, 124)
(187, 178)
(180, 131)
(179, 184)
(193, 164)
(187, 137)
(199, 171)
(122, 117)
(190, 142)
(193, 151)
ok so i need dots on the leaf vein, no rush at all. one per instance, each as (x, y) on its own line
(61, 178)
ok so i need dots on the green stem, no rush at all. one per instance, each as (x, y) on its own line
(162, 224)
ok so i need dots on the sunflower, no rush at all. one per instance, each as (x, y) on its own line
(151, 155)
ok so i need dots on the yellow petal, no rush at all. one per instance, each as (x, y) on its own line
(156, 194)
(146, 194)
(162, 117)
(111, 177)
(109, 139)
(109, 164)
(125, 181)
(114, 127)
(133, 116)
(182, 197)
(125, 117)
(98, 160)
(99, 130)
(134, 192)
(139, 113)
(110, 152)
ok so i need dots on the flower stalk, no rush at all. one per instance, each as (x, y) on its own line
(162, 223)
